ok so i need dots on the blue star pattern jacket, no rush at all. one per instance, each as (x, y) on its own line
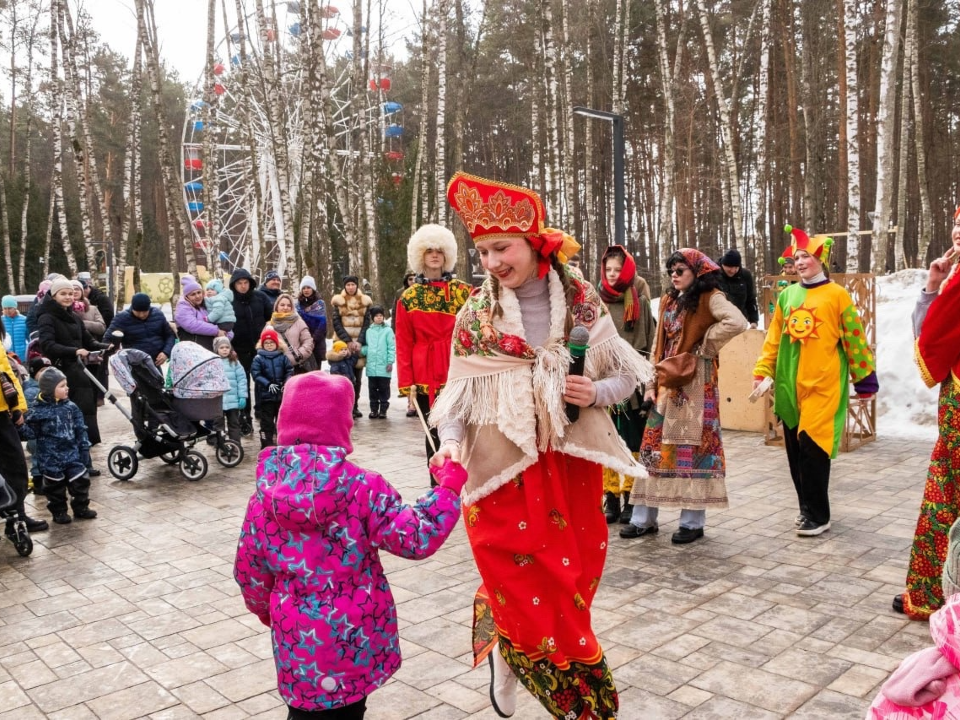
(308, 566)
(60, 433)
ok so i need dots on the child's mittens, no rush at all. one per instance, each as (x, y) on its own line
(273, 389)
(242, 404)
(451, 475)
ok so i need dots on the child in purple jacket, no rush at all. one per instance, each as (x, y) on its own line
(308, 561)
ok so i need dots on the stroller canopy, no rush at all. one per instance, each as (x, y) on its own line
(123, 363)
(195, 372)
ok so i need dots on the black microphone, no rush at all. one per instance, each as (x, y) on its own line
(577, 345)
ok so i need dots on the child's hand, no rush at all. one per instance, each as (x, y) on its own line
(242, 404)
(389, 367)
(451, 475)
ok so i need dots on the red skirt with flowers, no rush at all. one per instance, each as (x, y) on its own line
(938, 511)
(540, 543)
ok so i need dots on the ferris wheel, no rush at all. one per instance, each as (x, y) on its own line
(234, 130)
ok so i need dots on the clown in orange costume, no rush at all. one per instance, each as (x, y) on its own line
(531, 505)
(937, 353)
(815, 342)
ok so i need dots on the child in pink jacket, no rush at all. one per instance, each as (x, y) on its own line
(308, 561)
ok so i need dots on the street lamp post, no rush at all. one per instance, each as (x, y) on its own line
(620, 233)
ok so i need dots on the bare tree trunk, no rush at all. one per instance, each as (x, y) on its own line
(371, 147)
(419, 176)
(589, 210)
(440, 161)
(569, 166)
(886, 122)
(171, 186)
(926, 211)
(904, 147)
(850, 23)
(668, 183)
(552, 102)
(5, 235)
(210, 181)
(131, 185)
(760, 139)
(726, 130)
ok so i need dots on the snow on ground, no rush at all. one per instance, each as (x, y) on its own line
(905, 406)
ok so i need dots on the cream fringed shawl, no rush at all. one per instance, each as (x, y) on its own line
(509, 395)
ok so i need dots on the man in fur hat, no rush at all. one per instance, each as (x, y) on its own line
(425, 317)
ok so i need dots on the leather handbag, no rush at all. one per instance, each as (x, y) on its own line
(676, 371)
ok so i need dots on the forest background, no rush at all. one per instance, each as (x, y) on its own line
(836, 116)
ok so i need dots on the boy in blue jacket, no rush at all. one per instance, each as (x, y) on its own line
(270, 371)
(381, 353)
(61, 435)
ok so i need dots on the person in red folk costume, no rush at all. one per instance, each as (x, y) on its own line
(426, 313)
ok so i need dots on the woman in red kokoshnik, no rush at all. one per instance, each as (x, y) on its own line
(531, 505)
(937, 355)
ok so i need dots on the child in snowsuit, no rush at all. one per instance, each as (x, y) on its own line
(308, 560)
(31, 388)
(381, 353)
(270, 371)
(219, 304)
(342, 361)
(234, 399)
(62, 447)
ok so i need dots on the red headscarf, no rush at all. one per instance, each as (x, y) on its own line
(625, 281)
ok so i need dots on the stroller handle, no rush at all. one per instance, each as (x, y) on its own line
(106, 393)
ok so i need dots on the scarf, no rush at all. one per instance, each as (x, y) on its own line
(282, 321)
(625, 281)
(552, 241)
(699, 263)
(79, 308)
(509, 395)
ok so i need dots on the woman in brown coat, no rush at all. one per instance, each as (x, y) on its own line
(296, 334)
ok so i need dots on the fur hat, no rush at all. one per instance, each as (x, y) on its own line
(140, 302)
(308, 282)
(431, 237)
(48, 381)
(61, 283)
(299, 422)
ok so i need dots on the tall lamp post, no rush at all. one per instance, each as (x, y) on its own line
(620, 232)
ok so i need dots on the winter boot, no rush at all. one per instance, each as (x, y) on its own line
(611, 507)
(627, 511)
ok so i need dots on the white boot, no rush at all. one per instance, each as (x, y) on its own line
(503, 685)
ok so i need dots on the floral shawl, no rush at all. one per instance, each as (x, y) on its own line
(509, 395)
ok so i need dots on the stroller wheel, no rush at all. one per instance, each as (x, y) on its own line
(193, 466)
(22, 541)
(229, 453)
(122, 462)
(172, 457)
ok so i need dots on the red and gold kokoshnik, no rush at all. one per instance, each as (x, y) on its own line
(490, 209)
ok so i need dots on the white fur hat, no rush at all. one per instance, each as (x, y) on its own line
(431, 237)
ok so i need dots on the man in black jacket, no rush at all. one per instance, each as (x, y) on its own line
(144, 328)
(253, 310)
(737, 285)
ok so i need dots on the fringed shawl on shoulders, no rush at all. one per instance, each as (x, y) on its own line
(509, 395)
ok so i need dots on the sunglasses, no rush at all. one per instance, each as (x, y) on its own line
(677, 272)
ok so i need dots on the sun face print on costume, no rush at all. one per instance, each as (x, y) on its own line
(802, 323)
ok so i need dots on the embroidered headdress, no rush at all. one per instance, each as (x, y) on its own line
(818, 245)
(493, 209)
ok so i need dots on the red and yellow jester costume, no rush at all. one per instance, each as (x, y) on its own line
(937, 354)
(532, 503)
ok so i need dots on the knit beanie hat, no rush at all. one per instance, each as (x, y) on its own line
(189, 286)
(215, 285)
(299, 422)
(731, 258)
(339, 346)
(38, 364)
(308, 282)
(48, 381)
(140, 302)
(376, 310)
(269, 334)
(221, 341)
(351, 279)
(271, 275)
(61, 283)
(77, 285)
(9, 301)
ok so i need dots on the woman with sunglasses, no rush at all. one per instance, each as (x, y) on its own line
(682, 448)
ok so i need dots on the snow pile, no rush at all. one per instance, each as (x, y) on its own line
(905, 406)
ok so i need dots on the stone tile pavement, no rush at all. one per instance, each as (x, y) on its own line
(136, 614)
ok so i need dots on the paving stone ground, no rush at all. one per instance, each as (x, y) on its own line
(136, 614)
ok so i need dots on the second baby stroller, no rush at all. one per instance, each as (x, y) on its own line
(169, 422)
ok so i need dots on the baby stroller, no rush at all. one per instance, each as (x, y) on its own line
(169, 422)
(15, 529)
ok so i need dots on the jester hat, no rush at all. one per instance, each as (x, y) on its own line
(819, 245)
(492, 209)
(787, 254)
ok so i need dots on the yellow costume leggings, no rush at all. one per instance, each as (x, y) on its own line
(615, 482)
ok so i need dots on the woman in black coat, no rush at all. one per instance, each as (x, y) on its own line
(65, 340)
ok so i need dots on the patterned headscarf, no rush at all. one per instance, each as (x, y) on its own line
(699, 263)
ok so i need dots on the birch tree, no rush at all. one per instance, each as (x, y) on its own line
(850, 23)
(28, 144)
(552, 100)
(667, 83)
(886, 122)
(917, 92)
(210, 180)
(132, 218)
(440, 153)
(760, 138)
(732, 176)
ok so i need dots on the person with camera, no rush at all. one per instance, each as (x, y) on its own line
(69, 345)
(682, 447)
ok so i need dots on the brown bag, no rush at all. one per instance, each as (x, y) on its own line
(676, 371)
